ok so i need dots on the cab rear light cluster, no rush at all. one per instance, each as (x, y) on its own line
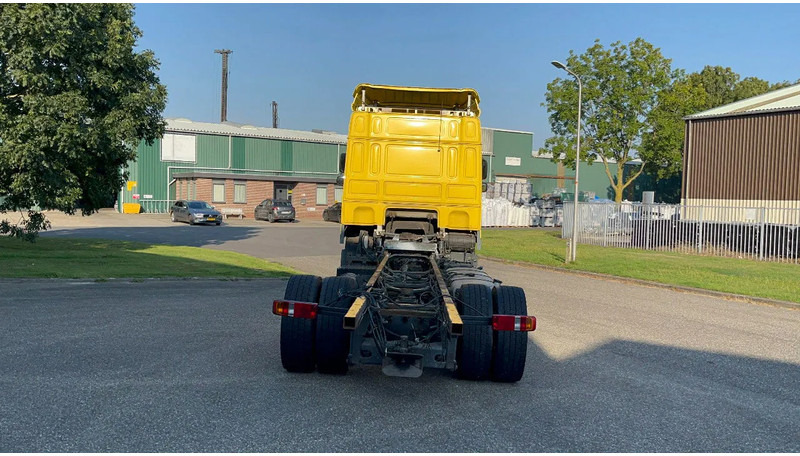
(294, 309)
(513, 323)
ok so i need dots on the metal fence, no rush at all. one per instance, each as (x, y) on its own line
(156, 206)
(770, 234)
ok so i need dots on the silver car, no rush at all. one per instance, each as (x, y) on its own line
(194, 212)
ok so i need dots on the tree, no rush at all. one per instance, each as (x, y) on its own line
(718, 82)
(663, 144)
(709, 88)
(75, 100)
(620, 89)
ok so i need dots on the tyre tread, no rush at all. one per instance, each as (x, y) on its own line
(297, 334)
(475, 347)
(510, 348)
(334, 341)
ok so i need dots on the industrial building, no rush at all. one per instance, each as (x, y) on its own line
(745, 154)
(236, 166)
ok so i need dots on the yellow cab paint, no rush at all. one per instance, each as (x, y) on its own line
(413, 148)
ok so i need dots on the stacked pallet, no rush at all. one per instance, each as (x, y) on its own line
(502, 212)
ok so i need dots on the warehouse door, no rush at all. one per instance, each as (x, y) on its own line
(282, 192)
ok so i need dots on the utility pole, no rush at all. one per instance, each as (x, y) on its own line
(274, 114)
(223, 116)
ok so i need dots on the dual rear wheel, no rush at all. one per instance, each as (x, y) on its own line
(321, 342)
(482, 352)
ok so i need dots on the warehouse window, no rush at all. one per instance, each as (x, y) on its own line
(219, 192)
(322, 195)
(239, 192)
(337, 194)
(178, 147)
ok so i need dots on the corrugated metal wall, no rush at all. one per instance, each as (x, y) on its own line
(212, 151)
(753, 157)
(511, 144)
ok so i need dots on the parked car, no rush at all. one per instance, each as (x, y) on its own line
(274, 210)
(194, 212)
(333, 213)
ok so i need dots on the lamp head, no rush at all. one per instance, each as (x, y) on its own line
(560, 65)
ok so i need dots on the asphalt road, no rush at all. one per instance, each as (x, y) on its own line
(194, 366)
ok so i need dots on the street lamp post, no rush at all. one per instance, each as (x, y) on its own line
(574, 242)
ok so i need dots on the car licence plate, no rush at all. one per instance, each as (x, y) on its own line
(211, 219)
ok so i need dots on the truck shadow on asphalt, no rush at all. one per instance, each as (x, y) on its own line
(621, 396)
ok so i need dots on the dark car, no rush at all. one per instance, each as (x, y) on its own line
(194, 212)
(273, 210)
(333, 213)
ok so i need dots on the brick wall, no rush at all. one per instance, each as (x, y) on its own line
(304, 200)
(257, 191)
(331, 194)
(204, 190)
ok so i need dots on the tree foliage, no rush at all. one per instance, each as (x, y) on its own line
(620, 88)
(711, 87)
(663, 143)
(75, 99)
(634, 104)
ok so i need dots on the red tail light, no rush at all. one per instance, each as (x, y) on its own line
(513, 323)
(275, 209)
(294, 309)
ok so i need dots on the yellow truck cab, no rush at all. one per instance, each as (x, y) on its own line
(413, 170)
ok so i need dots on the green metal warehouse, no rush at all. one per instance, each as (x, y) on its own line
(511, 159)
(235, 166)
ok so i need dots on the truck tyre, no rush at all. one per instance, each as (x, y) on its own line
(297, 334)
(333, 342)
(510, 347)
(474, 354)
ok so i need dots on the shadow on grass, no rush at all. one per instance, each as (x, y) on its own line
(57, 257)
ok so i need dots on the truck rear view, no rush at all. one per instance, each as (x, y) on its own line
(408, 293)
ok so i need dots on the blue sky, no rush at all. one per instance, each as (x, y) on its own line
(309, 58)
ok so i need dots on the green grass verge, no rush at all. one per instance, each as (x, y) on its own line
(102, 259)
(731, 275)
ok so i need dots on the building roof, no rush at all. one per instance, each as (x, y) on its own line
(258, 177)
(234, 129)
(785, 99)
(508, 131)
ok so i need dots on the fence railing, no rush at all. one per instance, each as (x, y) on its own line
(770, 234)
(156, 206)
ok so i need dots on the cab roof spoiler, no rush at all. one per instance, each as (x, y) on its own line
(415, 98)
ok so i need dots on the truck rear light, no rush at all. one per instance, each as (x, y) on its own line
(294, 309)
(513, 323)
